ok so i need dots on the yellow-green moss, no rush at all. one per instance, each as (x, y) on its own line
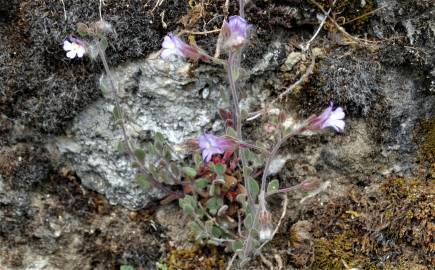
(198, 257)
(331, 253)
(428, 144)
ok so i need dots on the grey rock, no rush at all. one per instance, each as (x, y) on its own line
(156, 96)
(292, 59)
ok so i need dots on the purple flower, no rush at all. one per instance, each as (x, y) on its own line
(74, 47)
(329, 118)
(173, 45)
(235, 32)
(210, 145)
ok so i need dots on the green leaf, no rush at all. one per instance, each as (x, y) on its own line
(140, 154)
(237, 245)
(191, 172)
(82, 29)
(241, 198)
(135, 165)
(117, 113)
(126, 267)
(166, 177)
(167, 155)
(188, 204)
(151, 149)
(219, 169)
(213, 205)
(201, 183)
(273, 185)
(104, 43)
(121, 147)
(105, 87)
(217, 232)
(200, 212)
(247, 222)
(231, 132)
(188, 209)
(253, 187)
(248, 155)
(159, 146)
(247, 171)
(159, 137)
(142, 180)
(211, 190)
(195, 228)
(198, 160)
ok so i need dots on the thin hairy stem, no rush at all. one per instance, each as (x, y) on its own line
(127, 142)
(235, 97)
(242, 8)
(232, 66)
(274, 152)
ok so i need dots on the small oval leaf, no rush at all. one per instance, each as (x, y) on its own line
(143, 181)
(140, 154)
(253, 187)
(273, 185)
(191, 172)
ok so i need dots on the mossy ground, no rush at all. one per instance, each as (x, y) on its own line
(198, 257)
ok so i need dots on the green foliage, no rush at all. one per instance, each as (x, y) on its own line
(214, 204)
(201, 183)
(237, 246)
(117, 113)
(142, 180)
(191, 172)
(273, 185)
(126, 267)
(140, 154)
(248, 221)
(253, 187)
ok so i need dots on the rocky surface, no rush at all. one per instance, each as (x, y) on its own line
(58, 142)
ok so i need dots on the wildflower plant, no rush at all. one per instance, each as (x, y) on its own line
(224, 187)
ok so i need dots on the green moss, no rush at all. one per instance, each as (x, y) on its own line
(198, 257)
(337, 251)
(427, 148)
(395, 222)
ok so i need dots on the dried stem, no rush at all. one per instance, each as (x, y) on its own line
(289, 89)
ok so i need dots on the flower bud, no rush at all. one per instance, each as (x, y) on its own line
(235, 33)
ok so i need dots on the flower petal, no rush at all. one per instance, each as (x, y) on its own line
(338, 125)
(67, 46)
(71, 54)
(166, 53)
(338, 113)
(80, 52)
(168, 43)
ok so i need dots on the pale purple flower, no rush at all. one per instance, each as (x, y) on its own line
(235, 32)
(329, 118)
(74, 47)
(210, 145)
(173, 45)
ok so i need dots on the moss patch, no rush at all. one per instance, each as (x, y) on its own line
(197, 257)
(390, 226)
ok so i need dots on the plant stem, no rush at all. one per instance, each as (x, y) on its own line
(130, 151)
(273, 154)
